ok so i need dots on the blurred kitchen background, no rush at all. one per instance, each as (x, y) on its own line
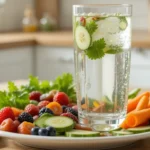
(45, 48)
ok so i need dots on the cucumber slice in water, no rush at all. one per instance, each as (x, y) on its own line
(60, 123)
(82, 133)
(82, 37)
(123, 23)
(139, 129)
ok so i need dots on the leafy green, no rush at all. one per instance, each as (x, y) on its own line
(19, 96)
(14, 97)
(133, 93)
(64, 83)
(91, 27)
(96, 51)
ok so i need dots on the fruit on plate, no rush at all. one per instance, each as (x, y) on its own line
(55, 107)
(32, 109)
(5, 113)
(16, 111)
(48, 96)
(25, 117)
(61, 98)
(45, 110)
(9, 125)
(25, 127)
(43, 104)
(35, 95)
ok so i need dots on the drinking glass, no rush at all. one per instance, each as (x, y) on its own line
(102, 42)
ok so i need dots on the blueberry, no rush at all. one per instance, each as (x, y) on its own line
(35, 130)
(72, 111)
(64, 107)
(51, 131)
(25, 117)
(45, 110)
(43, 132)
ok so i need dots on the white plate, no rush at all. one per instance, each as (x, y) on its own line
(74, 143)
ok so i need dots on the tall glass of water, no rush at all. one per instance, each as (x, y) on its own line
(102, 42)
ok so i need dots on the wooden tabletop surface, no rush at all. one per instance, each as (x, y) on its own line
(60, 38)
(7, 144)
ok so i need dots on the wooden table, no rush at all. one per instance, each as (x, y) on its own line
(7, 144)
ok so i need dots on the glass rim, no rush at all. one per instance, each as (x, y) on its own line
(103, 5)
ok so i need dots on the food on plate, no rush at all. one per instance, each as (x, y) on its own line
(132, 94)
(31, 112)
(137, 118)
(133, 102)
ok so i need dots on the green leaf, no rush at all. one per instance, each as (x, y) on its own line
(45, 86)
(91, 27)
(64, 83)
(34, 82)
(95, 51)
(12, 87)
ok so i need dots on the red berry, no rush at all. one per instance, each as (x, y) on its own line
(5, 113)
(61, 98)
(82, 21)
(32, 109)
(48, 96)
(42, 104)
(75, 107)
(9, 125)
(35, 95)
(70, 116)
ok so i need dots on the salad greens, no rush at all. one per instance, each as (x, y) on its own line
(19, 96)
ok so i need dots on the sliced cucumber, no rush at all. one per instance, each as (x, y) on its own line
(122, 132)
(82, 37)
(123, 23)
(60, 123)
(41, 120)
(82, 133)
(139, 129)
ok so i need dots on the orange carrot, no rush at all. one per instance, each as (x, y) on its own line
(133, 103)
(143, 103)
(137, 118)
(123, 125)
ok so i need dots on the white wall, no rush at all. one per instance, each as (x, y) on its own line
(11, 14)
(140, 11)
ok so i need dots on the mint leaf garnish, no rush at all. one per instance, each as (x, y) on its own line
(91, 27)
(96, 51)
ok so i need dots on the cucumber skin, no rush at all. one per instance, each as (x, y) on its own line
(73, 134)
(138, 130)
(61, 130)
(121, 133)
(45, 115)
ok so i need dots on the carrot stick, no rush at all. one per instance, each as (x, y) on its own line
(123, 125)
(143, 103)
(133, 103)
(137, 118)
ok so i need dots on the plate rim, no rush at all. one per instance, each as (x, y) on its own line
(135, 137)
